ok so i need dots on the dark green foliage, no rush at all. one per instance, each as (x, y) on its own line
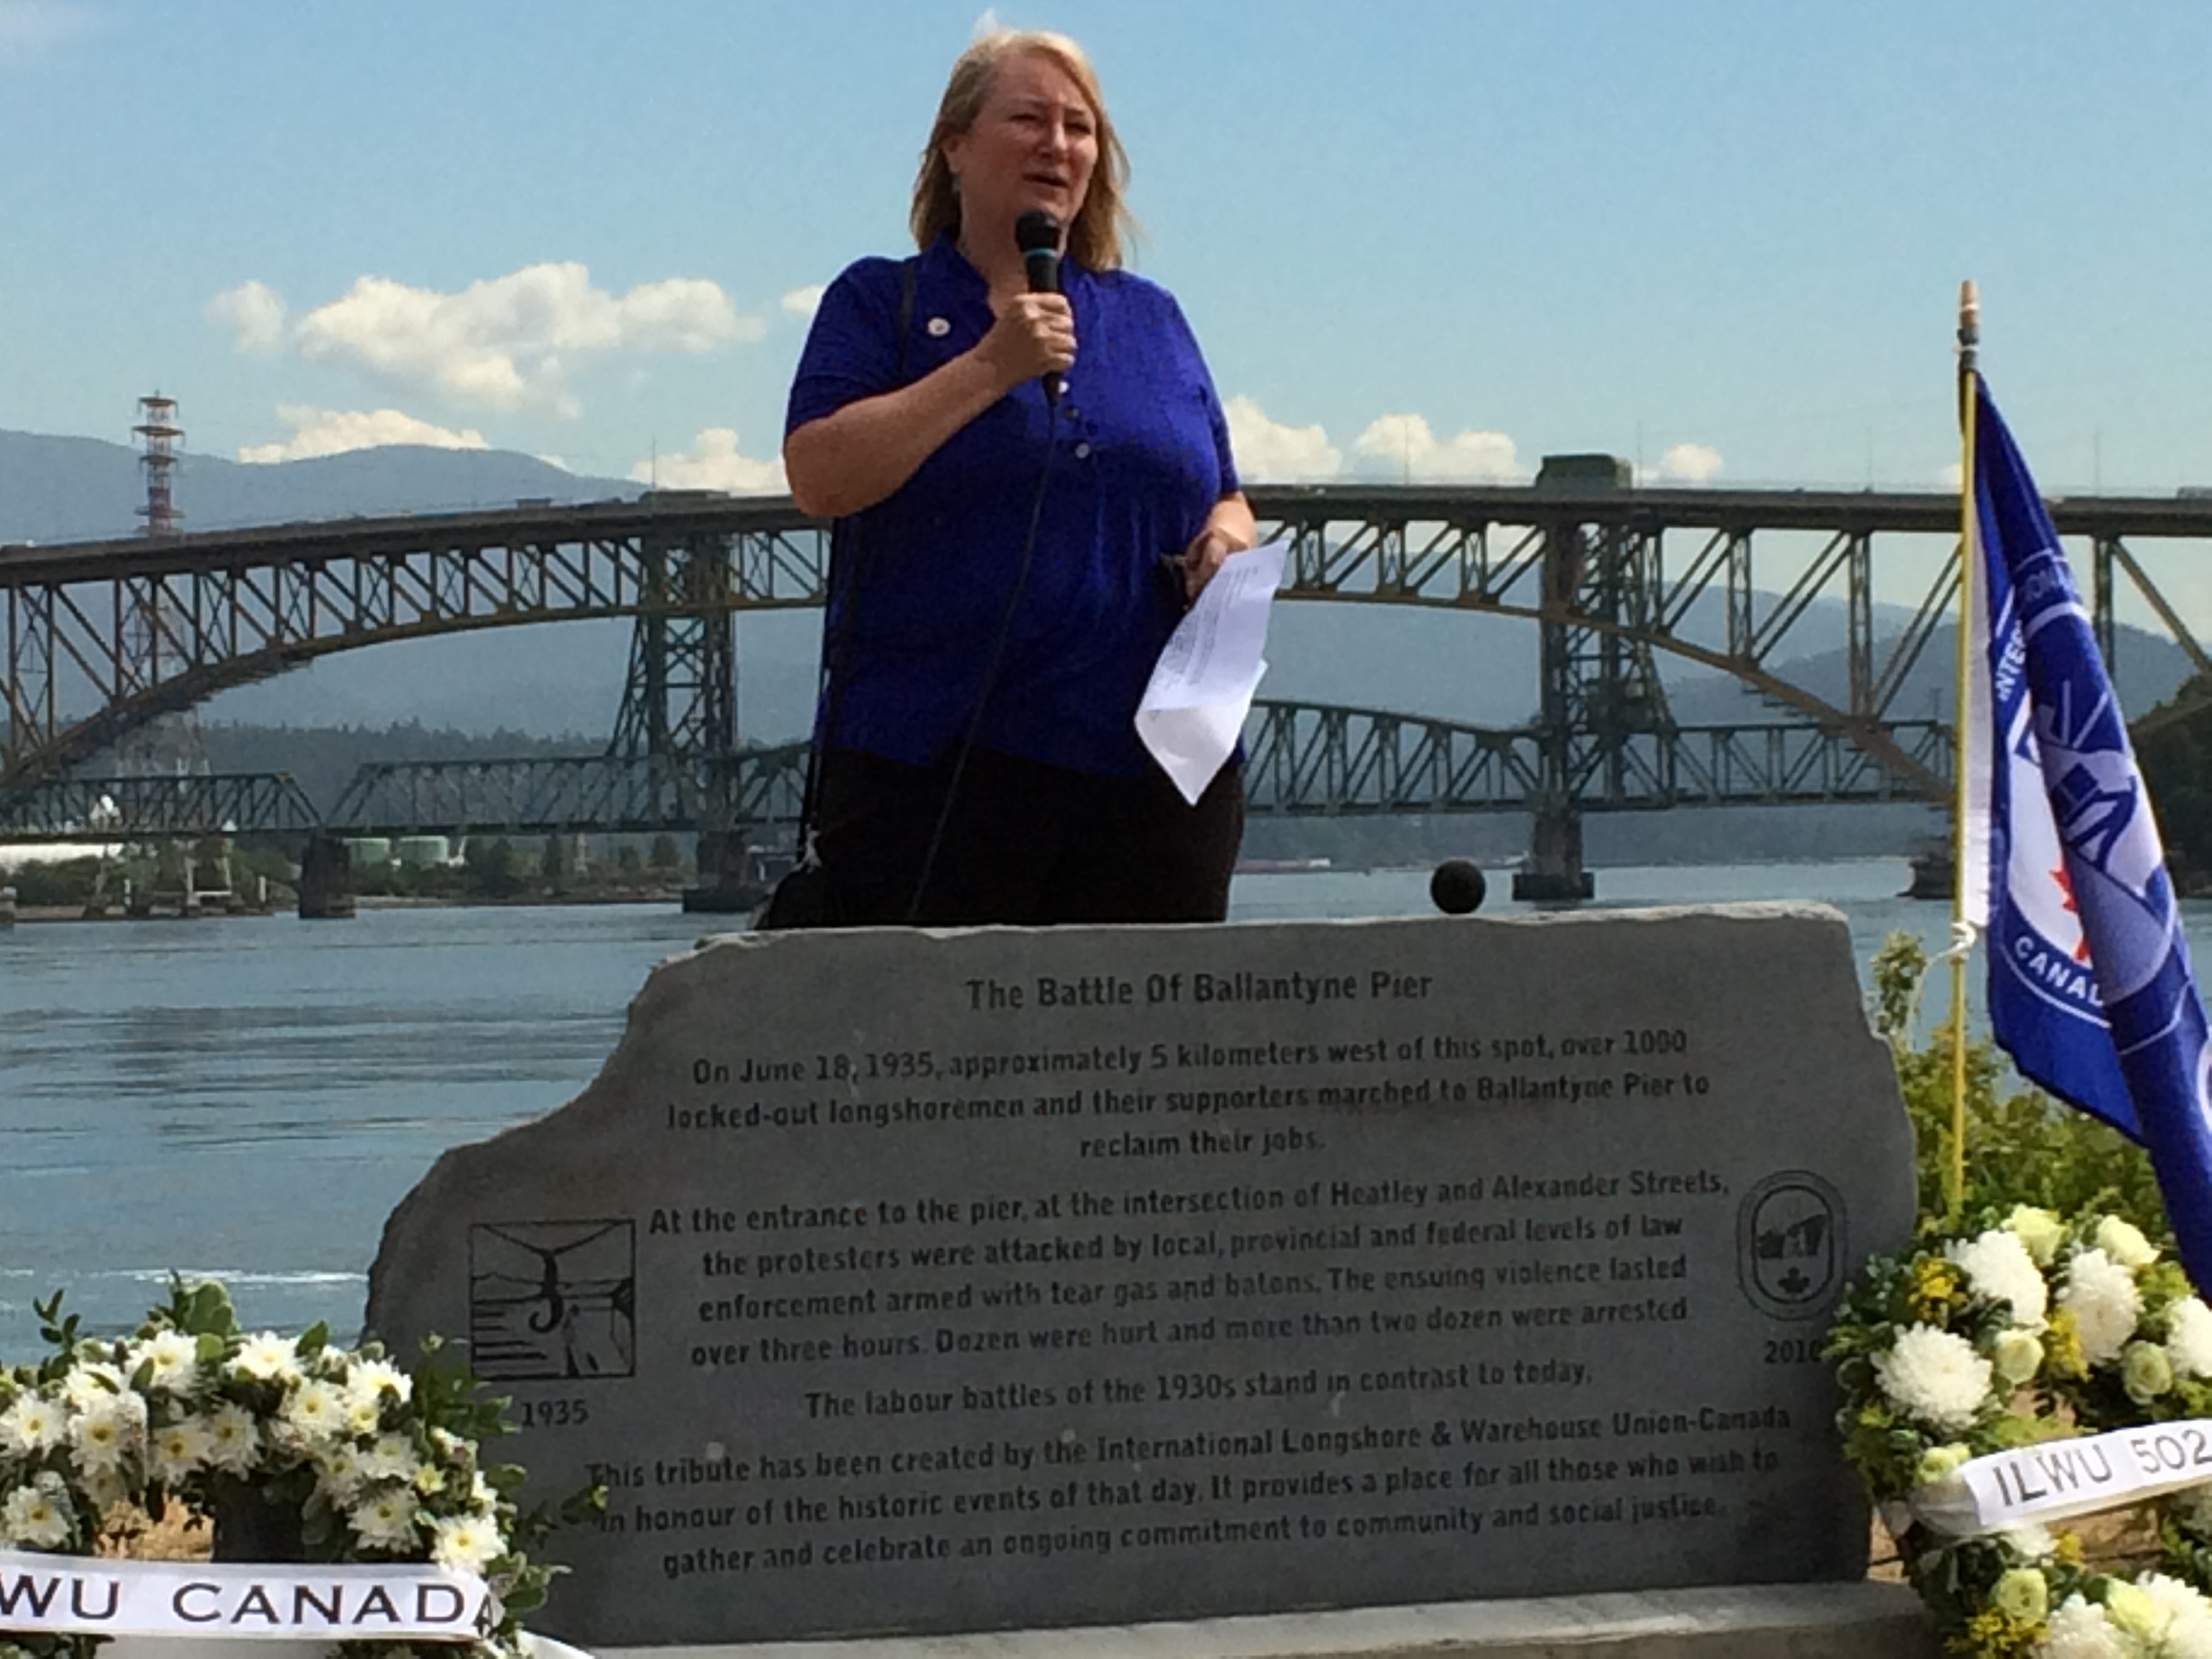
(494, 868)
(68, 882)
(2177, 768)
(2022, 1146)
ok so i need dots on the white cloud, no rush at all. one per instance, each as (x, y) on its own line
(1684, 464)
(334, 431)
(499, 343)
(714, 464)
(254, 312)
(1269, 452)
(801, 302)
(30, 26)
(1401, 447)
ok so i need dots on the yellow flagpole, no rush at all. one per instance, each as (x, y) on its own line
(1970, 334)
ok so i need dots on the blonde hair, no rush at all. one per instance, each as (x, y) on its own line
(1094, 241)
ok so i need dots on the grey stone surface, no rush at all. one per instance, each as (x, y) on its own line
(899, 1282)
(1860, 1620)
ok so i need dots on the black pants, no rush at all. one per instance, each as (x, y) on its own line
(1026, 843)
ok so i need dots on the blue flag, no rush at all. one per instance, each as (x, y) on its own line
(2090, 986)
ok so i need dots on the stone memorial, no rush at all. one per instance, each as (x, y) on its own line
(909, 1282)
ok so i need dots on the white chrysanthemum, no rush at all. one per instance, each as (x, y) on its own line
(315, 1410)
(2189, 1338)
(385, 1520)
(92, 1385)
(483, 1497)
(363, 1416)
(467, 1543)
(267, 1357)
(1934, 1375)
(2079, 1629)
(102, 1439)
(32, 1425)
(2124, 1243)
(35, 1517)
(379, 1379)
(175, 1450)
(2030, 1538)
(2131, 1610)
(389, 1458)
(2185, 1617)
(234, 1439)
(2102, 1296)
(172, 1359)
(428, 1478)
(1997, 1265)
(338, 1471)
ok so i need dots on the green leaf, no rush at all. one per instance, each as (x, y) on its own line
(504, 1478)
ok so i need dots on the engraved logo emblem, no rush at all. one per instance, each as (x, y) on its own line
(553, 1299)
(1789, 1244)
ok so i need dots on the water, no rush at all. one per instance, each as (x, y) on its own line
(250, 1098)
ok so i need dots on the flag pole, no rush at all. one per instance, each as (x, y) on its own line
(1970, 336)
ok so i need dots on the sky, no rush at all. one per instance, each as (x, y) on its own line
(1419, 239)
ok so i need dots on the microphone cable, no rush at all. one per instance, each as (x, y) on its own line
(991, 670)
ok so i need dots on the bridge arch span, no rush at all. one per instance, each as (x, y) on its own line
(131, 629)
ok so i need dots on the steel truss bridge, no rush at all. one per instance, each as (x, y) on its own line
(133, 629)
(1303, 759)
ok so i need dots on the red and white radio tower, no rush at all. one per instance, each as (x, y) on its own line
(163, 440)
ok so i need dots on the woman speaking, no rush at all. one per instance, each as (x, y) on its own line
(1029, 487)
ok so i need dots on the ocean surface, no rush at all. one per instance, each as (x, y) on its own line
(249, 1097)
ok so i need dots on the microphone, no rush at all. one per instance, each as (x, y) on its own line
(1037, 233)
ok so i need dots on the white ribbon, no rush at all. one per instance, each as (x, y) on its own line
(81, 1595)
(2061, 1479)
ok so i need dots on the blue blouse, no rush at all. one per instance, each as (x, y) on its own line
(1138, 458)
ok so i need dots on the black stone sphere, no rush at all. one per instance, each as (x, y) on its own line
(1457, 888)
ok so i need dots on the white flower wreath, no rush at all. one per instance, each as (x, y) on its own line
(2028, 1329)
(296, 1448)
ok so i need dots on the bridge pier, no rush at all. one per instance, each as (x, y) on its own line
(1554, 869)
(729, 884)
(326, 877)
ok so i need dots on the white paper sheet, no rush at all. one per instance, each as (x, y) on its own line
(1201, 688)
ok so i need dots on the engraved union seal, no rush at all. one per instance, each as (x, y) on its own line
(1790, 1245)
